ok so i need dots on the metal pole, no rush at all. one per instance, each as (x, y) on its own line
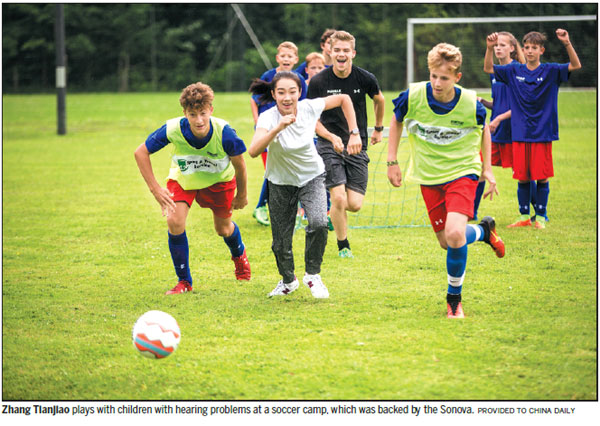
(61, 71)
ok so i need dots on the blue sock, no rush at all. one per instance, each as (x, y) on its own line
(234, 242)
(456, 262)
(524, 197)
(478, 194)
(543, 191)
(533, 191)
(474, 233)
(262, 200)
(180, 253)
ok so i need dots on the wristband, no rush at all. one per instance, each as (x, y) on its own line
(392, 163)
(379, 128)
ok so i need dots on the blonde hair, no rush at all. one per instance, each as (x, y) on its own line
(445, 53)
(314, 56)
(196, 96)
(288, 45)
(342, 36)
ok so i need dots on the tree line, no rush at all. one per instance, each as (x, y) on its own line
(163, 47)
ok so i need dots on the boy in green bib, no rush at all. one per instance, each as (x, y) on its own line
(207, 165)
(446, 132)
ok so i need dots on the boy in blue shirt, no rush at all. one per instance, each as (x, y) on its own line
(207, 165)
(534, 121)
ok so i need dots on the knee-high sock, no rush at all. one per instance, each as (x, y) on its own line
(524, 197)
(234, 242)
(180, 254)
(264, 194)
(474, 233)
(543, 191)
(456, 263)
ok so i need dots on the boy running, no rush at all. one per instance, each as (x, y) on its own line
(207, 165)
(533, 91)
(348, 171)
(446, 131)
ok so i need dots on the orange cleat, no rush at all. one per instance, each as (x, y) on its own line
(523, 220)
(455, 310)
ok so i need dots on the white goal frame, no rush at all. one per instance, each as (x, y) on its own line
(411, 22)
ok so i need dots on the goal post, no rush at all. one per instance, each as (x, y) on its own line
(412, 22)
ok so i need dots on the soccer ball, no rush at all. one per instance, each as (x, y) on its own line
(156, 334)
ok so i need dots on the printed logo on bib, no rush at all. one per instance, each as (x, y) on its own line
(436, 134)
(189, 164)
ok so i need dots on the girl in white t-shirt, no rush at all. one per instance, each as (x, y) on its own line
(295, 172)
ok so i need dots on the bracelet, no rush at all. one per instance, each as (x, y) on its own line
(392, 163)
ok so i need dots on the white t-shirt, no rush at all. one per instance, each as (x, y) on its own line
(293, 158)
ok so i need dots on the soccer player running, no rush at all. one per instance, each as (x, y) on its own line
(506, 51)
(286, 58)
(347, 171)
(446, 132)
(207, 165)
(296, 173)
(533, 90)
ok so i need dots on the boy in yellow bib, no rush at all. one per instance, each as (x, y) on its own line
(207, 165)
(446, 132)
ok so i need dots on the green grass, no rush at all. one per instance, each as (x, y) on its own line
(85, 253)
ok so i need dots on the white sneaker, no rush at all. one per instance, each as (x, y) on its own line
(284, 289)
(317, 288)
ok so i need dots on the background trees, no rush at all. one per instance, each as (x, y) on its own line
(159, 47)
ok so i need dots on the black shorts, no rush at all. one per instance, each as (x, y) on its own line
(344, 169)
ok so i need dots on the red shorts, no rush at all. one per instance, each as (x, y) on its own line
(217, 197)
(456, 196)
(502, 154)
(532, 160)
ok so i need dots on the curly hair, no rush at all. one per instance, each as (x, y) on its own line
(196, 96)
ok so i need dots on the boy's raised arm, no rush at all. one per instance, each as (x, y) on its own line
(563, 36)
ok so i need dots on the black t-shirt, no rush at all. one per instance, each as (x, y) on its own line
(357, 85)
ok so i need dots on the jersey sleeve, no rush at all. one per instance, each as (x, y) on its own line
(481, 114)
(314, 88)
(304, 87)
(501, 72)
(401, 106)
(316, 106)
(232, 144)
(372, 85)
(157, 140)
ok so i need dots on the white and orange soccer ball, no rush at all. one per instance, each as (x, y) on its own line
(156, 334)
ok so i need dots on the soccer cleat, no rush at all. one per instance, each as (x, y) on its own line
(523, 220)
(489, 228)
(329, 223)
(182, 287)
(242, 267)
(317, 288)
(283, 289)
(261, 215)
(540, 223)
(346, 253)
(455, 310)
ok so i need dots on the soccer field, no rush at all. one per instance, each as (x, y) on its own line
(85, 254)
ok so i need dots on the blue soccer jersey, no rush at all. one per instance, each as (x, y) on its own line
(533, 99)
(501, 101)
(232, 144)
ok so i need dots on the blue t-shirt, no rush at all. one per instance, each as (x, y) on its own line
(268, 76)
(401, 105)
(232, 144)
(533, 99)
(501, 101)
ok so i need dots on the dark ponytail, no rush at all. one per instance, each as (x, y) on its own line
(264, 89)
